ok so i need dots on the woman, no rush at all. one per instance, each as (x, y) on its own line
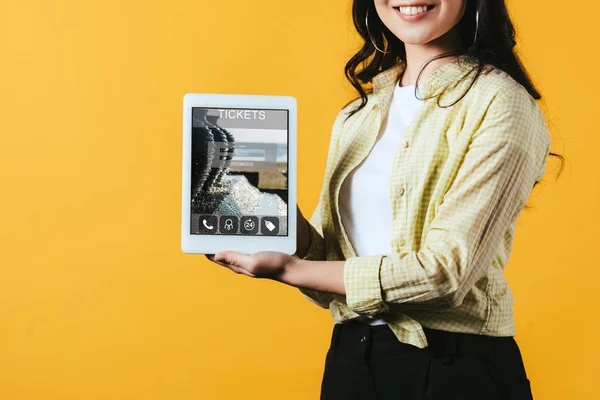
(427, 172)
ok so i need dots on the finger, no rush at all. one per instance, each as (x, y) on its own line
(234, 257)
(236, 268)
(242, 271)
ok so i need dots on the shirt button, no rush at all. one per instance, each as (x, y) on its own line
(405, 144)
(401, 241)
(400, 190)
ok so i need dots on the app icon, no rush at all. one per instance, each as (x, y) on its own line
(228, 224)
(249, 224)
(208, 224)
(269, 225)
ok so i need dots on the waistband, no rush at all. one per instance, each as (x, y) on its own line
(440, 343)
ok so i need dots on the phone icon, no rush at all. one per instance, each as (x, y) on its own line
(206, 225)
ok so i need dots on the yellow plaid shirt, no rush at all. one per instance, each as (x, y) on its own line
(456, 192)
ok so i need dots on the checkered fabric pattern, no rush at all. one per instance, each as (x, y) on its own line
(456, 192)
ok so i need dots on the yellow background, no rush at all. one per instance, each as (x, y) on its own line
(97, 301)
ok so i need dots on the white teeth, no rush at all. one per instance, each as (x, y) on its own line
(412, 10)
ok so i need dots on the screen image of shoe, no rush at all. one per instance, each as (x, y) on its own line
(239, 168)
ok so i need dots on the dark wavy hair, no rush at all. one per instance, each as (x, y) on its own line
(494, 45)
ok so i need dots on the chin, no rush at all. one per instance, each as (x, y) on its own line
(416, 40)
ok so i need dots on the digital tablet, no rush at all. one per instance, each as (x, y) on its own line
(239, 173)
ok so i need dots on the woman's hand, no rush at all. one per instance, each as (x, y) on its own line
(326, 276)
(262, 264)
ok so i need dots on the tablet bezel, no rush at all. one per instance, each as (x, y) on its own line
(210, 244)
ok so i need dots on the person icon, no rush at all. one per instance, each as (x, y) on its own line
(228, 224)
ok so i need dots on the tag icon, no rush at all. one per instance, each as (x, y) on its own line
(269, 225)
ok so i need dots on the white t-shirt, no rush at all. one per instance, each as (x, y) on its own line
(365, 195)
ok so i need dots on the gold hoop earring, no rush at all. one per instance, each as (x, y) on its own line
(369, 33)
(476, 27)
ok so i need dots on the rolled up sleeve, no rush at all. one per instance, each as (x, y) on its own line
(503, 160)
(316, 252)
(317, 249)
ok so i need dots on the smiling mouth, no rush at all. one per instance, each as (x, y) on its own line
(414, 10)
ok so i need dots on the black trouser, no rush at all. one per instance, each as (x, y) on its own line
(367, 362)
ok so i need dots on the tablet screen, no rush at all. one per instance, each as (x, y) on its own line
(239, 182)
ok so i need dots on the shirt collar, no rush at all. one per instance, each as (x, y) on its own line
(385, 82)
